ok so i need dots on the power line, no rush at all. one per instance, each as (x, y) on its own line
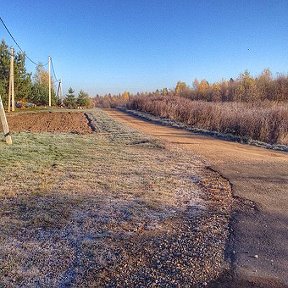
(56, 78)
(18, 44)
(50, 59)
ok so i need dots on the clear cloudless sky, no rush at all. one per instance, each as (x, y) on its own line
(104, 46)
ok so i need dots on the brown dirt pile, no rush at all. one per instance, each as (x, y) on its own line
(69, 122)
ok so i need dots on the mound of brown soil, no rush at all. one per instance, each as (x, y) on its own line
(69, 122)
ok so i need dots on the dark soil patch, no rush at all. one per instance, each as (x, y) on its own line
(69, 122)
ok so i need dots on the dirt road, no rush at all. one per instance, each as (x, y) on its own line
(260, 181)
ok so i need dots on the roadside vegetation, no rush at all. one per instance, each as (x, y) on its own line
(255, 108)
(266, 122)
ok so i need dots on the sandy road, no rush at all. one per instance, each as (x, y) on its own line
(260, 180)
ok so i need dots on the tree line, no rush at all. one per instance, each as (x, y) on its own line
(33, 88)
(28, 88)
(245, 88)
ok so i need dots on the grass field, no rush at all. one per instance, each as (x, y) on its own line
(108, 209)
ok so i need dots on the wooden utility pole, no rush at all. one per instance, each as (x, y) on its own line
(49, 71)
(5, 123)
(11, 95)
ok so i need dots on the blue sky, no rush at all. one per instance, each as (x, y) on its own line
(141, 45)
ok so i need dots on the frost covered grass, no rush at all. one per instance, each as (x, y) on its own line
(104, 208)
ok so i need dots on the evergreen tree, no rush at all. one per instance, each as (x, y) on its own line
(70, 99)
(4, 71)
(83, 99)
(23, 83)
